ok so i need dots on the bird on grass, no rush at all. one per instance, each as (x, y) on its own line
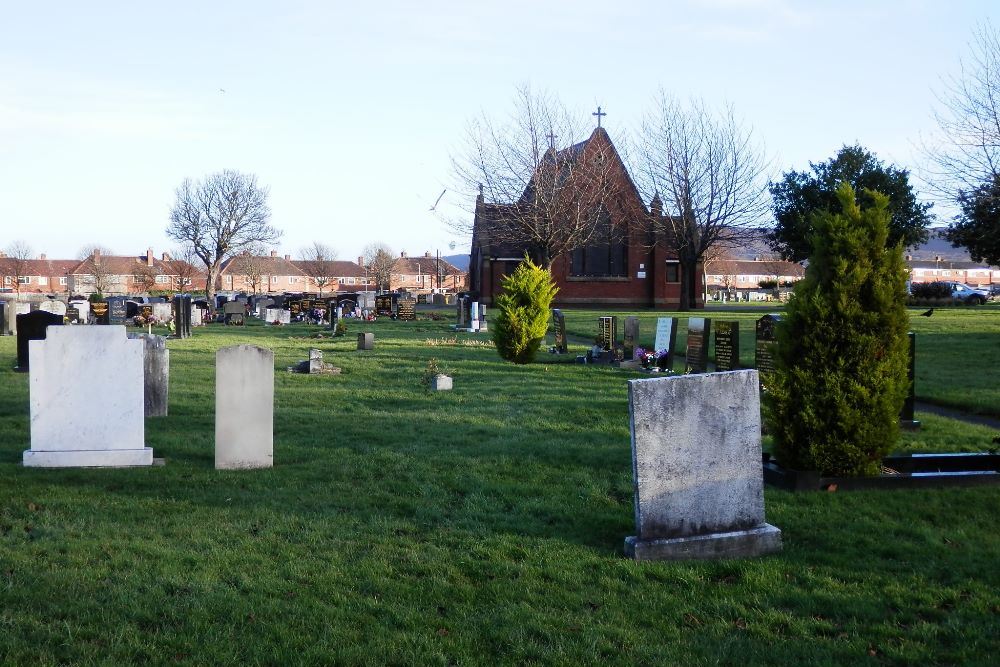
(927, 313)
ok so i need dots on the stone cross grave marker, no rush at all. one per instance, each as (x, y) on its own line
(696, 463)
(91, 371)
(32, 326)
(607, 332)
(727, 345)
(630, 336)
(244, 407)
(559, 324)
(699, 330)
(155, 372)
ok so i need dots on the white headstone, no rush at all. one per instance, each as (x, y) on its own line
(664, 332)
(244, 407)
(696, 462)
(96, 373)
(196, 316)
(53, 306)
(163, 311)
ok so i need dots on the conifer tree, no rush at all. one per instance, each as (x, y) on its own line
(834, 399)
(520, 326)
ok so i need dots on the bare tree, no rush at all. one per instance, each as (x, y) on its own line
(181, 262)
(549, 201)
(251, 264)
(317, 262)
(379, 261)
(220, 216)
(15, 262)
(101, 275)
(967, 153)
(144, 276)
(712, 177)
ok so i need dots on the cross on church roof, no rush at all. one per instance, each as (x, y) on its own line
(552, 139)
(598, 113)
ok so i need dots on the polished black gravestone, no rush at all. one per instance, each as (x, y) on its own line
(115, 311)
(607, 332)
(767, 344)
(182, 315)
(32, 326)
(407, 310)
(727, 346)
(906, 419)
(699, 330)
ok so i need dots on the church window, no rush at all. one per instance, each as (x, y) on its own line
(673, 271)
(607, 255)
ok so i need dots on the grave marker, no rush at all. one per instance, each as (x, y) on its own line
(699, 330)
(101, 312)
(406, 310)
(630, 336)
(666, 339)
(559, 323)
(607, 332)
(244, 407)
(727, 346)
(155, 373)
(906, 419)
(767, 344)
(94, 372)
(697, 476)
(32, 326)
(366, 341)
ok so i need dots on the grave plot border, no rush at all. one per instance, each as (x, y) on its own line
(914, 471)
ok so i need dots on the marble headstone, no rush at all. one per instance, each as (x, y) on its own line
(244, 407)
(666, 337)
(696, 463)
(156, 374)
(95, 372)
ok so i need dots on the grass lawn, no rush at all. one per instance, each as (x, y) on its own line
(479, 526)
(958, 349)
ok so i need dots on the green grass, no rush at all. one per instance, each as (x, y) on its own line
(958, 349)
(479, 526)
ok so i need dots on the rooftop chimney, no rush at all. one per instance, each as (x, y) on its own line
(288, 257)
(361, 260)
(274, 253)
(149, 256)
(97, 255)
(166, 257)
(427, 253)
(42, 256)
(402, 253)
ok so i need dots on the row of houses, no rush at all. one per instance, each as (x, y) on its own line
(269, 274)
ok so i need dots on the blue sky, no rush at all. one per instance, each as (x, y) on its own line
(350, 114)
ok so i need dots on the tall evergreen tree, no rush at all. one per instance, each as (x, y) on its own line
(520, 326)
(797, 195)
(978, 228)
(834, 399)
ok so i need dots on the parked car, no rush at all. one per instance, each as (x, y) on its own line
(967, 294)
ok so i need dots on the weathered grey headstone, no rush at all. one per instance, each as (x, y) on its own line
(366, 341)
(630, 336)
(197, 317)
(699, 330)
(315, 361)
(727, 345)
(156, 373)
(441, 382)
(4, 325)
(95, 372)
(162, 311)
(696, 463)
(559, 323)
(244, 407)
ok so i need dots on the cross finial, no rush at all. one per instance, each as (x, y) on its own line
(552, 138)
(598, 113)
(480, 189)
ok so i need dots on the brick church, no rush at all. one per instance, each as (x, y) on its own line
(622, 266)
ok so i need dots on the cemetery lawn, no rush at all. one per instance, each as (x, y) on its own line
(479, 526)
(958, 349)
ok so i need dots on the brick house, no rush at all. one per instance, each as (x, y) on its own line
(131, 274)
(342, 276)
(622, 268)
(261, 274)
(425, 274)
(36, 276)
(742, 274)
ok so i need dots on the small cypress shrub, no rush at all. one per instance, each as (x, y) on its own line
(520, 326)
(833, 401)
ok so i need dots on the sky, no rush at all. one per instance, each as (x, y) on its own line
(350, 114)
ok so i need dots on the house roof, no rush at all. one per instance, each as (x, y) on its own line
(40, 267)
(269, 266)
(424, 265)
(333, 268)
(749, 267)
(944, 264)
(123, 265)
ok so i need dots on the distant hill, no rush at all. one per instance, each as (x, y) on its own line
(458, 261)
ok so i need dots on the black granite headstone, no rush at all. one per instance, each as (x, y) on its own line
(767, 343)
(407, 310)
(559, 323)
(100, 312)
(116, 310)
(607, 332)
(182, 315)
(906, 419)
(699, 330)
(32, 326)
(3, 318)
(727, 345)
(73, 314)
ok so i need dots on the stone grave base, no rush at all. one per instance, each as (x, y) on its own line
(94, 458)
(757, 541)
